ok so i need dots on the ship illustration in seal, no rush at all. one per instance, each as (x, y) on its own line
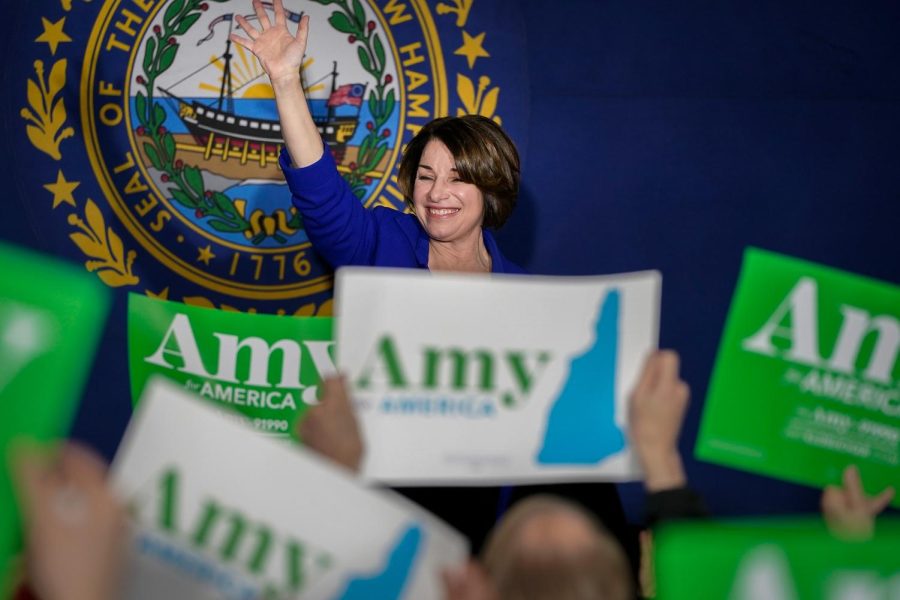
(223, 136)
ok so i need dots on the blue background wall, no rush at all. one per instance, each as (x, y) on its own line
(694, 130)
(669, 136)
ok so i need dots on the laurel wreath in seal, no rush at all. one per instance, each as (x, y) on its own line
(46, 112)
(371, 54)
(46, 117)
(186, 183)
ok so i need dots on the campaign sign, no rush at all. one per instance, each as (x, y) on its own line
(807, 369)
(467, 379)
(51, 316)
(236, 515)
(265, 367)
(775, 560)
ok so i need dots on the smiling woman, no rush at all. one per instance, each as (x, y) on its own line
(458, 176)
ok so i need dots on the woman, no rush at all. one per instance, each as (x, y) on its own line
(458, 175)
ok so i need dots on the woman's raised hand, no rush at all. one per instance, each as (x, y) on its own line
(279, 51)
(281, 55)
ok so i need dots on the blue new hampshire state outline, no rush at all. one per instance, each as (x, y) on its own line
(390, 581)
(581, 425)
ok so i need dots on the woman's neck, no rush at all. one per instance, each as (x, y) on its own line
(470, 256)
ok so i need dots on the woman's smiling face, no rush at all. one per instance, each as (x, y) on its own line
(450, 210)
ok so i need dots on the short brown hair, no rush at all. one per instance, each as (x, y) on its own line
(484, 155)
(524, 558)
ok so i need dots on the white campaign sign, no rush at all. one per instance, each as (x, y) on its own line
(225, 513)
(474, 380)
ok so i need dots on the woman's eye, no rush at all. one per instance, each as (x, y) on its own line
(424, 177)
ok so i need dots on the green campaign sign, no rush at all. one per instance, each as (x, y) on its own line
(267, 368)
(51, 317)
(775, 560)
(806, 379)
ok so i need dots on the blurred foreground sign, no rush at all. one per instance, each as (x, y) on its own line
(265, 367)
(473, 380)
(775, 560)
(807, 369)
(51, 316)
(230, 514)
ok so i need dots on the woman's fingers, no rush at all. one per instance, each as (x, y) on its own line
(241, 41)
(303, 30)
(261, 14)
(249, 29)
(279, 13)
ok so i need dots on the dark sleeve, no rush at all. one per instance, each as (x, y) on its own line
(670, 505)
(338, 226)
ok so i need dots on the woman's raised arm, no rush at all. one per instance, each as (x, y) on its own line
(281, 54)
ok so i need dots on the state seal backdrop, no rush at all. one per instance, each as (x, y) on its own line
(153, 141)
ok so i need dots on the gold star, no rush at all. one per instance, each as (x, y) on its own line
(53, 34)
(472, 48)
(62, 190)
(163, 295)
(205, 255)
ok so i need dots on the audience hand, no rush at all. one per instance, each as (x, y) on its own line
(469, 582)
(848, 511)
(656, 411)
(74, 526)
(331, 429)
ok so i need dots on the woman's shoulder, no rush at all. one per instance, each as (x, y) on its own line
(499, 262)
(398, 218)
